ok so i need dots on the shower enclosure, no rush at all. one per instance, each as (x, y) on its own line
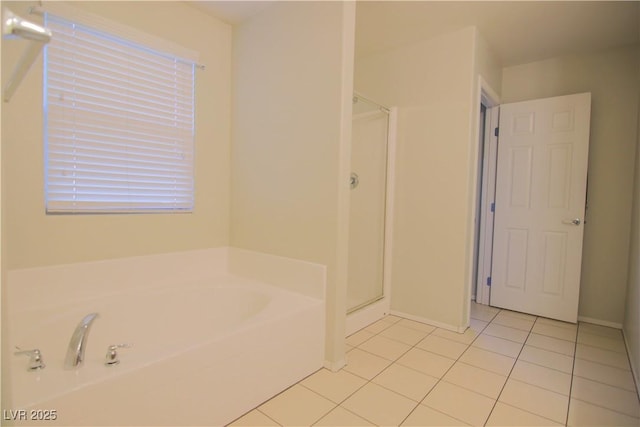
(369, 234)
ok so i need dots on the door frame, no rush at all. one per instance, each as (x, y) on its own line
(487, 175)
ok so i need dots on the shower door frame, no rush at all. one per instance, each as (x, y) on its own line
(377, 309)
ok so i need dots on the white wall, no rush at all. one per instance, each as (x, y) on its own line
(434, 85)
(631, 326)
(35, 239)
(487, 65)
(612, 78)
(291, 122)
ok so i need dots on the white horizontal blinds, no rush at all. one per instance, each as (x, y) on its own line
(119, 124)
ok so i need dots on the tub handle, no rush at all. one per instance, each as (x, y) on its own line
(111, 357)
(35, 358)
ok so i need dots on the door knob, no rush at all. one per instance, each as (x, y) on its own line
(574, 221)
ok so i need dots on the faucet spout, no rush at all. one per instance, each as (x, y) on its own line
(78, 342)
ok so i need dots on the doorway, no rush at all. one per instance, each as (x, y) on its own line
(485, 194)
(532, 198)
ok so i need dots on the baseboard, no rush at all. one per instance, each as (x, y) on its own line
(431, 322)
(600, 322)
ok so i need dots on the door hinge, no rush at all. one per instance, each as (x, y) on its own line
(493, 206)
(488, 281)
(496, 132)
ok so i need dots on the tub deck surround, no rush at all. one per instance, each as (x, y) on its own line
(214, 332)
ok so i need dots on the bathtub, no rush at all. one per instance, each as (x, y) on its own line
(205, 348)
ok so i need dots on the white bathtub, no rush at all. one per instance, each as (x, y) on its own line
(204, 351)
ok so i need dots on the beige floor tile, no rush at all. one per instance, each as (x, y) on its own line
(423, 327)
(542, 377)
(392, 318)
(404, 334)
(613, 398)
(254, 418)
(424, 416)
(551, 344)
(488, 360)
(364, 364)
(465, 338)
(379, 326)
(497, 345)
(554, 331)
(557, 323)
(335, 386)
(599, 355)
(605, 331)
(477, 325)
(460, 403)
(605, 374)
(297, 406)
(536, 393)
(506, 332)
(384, 347)
(426, 362)
(475, 379)
(442, 346)
(536, 400)
(600, 341)
(585, 414)
(379, 405)
(546, 358)
(483, 312)
(359, 337)
(507, 415)
(513, 322)
(341, 417)
(406, 381)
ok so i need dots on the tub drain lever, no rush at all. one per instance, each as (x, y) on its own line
(111, 357)
(35, 358)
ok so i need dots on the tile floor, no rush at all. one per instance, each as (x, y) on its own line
(507, 369)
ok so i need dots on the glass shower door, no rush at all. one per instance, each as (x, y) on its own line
(368, 202)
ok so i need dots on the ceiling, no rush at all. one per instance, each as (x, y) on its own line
(517, 31)
(233, 12)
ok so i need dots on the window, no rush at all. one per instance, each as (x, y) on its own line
(119, 124)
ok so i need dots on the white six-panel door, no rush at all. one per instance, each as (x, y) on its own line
(540, 206)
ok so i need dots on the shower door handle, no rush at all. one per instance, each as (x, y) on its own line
(354, 180)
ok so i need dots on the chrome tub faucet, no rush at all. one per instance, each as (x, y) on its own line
(78, 342)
